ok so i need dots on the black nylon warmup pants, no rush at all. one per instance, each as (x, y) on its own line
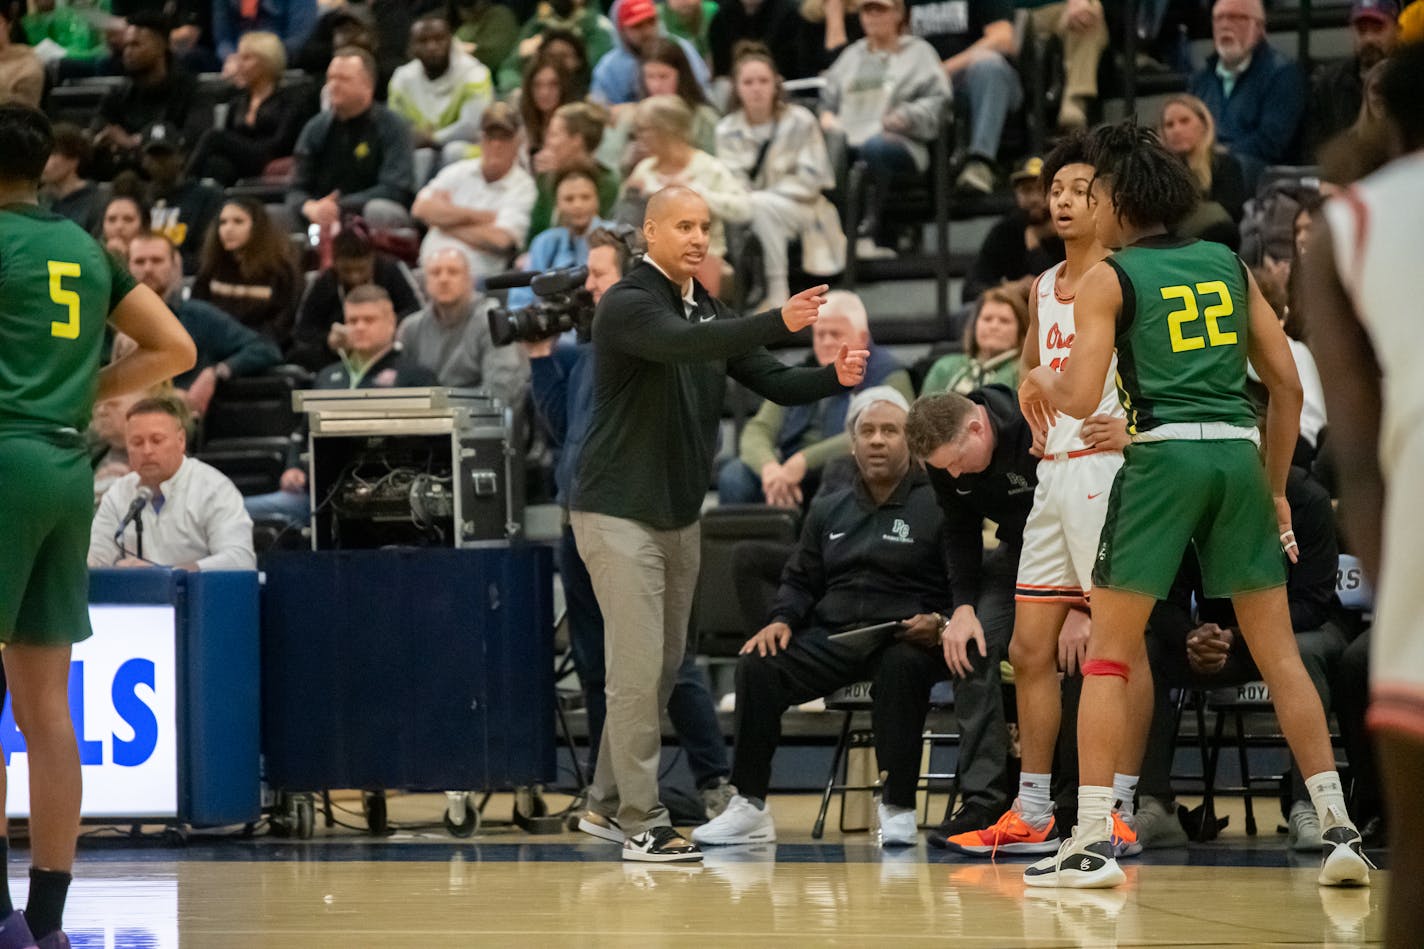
(812, 666)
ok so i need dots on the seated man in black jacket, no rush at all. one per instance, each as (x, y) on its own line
(354, 262)
(870, 554)
(355, 156)
(1204, 650)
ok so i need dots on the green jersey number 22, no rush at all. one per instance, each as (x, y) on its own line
(1178, 320)
(58, 270)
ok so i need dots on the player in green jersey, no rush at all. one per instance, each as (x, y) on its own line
(1185, 317)
(58, 289)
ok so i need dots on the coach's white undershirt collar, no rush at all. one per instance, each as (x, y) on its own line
(688, 301)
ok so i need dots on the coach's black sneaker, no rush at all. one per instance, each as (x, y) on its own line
(1345, 863)
(969, 817)
(1079, 864)
(660, 845)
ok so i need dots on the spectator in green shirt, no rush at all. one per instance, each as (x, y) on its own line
(78, 31)
(573, 135)
(490, 30)
(575, 16)
(689, 20)
(992, 342)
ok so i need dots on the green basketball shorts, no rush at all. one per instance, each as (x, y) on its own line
(46, 511)
(1171, 493)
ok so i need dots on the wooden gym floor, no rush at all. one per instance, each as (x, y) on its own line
(502, 887)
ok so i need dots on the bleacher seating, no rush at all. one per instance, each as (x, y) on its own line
(247, 430)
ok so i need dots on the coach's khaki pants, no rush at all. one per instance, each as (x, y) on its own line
(1081, 48)
(644, 580)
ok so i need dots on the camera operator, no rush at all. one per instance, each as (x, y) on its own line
(562, 376)
(665, 348)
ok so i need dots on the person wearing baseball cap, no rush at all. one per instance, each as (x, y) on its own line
(493, 187)
(181, 208)
(615, 78)
(1338, 88)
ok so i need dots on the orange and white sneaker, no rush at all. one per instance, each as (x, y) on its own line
(1010, 834)
(1124, 837)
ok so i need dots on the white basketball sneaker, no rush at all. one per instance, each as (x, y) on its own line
(1080, 863)
(1344, 863)
(898, 827)
(741, 823)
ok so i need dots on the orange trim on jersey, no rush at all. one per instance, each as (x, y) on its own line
(1362, 229)
(1058, 294)
(1039, 586)
(1070, 600)
(1076, 453)
(1397, 708)
(1389, 719)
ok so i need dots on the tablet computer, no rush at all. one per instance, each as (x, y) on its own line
(868, 634)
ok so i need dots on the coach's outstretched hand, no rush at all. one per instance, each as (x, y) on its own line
(850, 366)
(801, 310)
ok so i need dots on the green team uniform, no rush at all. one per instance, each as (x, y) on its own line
(57, 289)
(1193, 473)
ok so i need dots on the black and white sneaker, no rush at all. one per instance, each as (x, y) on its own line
(604, 828)
(660, 845)
(1079, 864)
(1345, 863)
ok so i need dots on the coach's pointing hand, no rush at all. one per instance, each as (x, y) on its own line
(850, 366)
(801, 310)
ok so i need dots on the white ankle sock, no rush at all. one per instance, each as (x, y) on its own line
(1328, 796)
(1035, 803)
(1094, 808)
(1124, 792)
(894, 811)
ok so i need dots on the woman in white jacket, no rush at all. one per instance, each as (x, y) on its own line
(778, 151)
(663, 125)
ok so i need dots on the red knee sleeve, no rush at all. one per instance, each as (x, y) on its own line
(1106, 667)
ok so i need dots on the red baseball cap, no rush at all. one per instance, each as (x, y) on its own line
(1385, 11)
(633, 12)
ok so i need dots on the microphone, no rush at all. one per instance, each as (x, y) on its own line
(145, 494)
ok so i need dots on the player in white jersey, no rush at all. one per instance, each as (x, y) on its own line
(1080, 460)
(1362, 294)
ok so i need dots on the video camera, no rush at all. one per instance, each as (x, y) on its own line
(562, 304)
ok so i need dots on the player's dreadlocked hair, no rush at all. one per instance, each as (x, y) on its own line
(1146, 183)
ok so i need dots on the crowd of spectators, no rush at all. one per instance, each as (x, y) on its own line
(392, 157)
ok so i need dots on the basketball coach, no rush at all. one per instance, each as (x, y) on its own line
(663, 351)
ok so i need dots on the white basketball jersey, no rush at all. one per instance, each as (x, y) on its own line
(1055, 340)
(1377, 228)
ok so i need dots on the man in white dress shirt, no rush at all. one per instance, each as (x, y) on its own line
(194, 519)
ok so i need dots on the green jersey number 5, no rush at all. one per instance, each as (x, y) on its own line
(58, 270)
(1191, 312)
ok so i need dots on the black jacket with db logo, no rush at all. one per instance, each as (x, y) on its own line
(1002, 493)
(859, 563)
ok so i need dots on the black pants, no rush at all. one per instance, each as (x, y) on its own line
(813, 665)
(1351, 690)
(1167, 655)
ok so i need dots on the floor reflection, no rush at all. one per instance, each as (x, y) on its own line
(739, 898)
